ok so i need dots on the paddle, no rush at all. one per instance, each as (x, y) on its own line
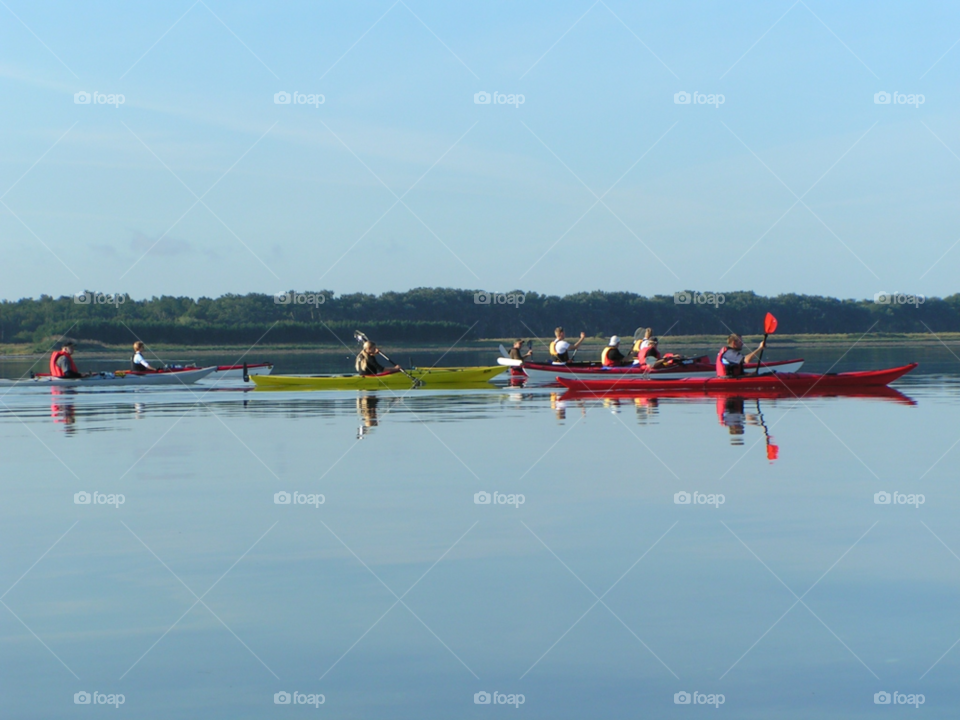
(769, 328)
(773, 451)
(361, 338)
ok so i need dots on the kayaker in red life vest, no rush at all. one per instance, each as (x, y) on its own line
(61, 362)
(367, 364)
(560, 348)
(611, 355)
(730, 359)
(650, 356)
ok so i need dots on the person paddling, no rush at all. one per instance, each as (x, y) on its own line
(138, 363)
(560, 348)
(61, 362)
(642, 342)
(649, 355)
(611, 355)
(730, 359)
(367, 364)
(516, 352)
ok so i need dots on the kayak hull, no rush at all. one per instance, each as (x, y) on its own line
(791, 383)
(429, 377)
(126, 379)
(881, 392)
(548, 373)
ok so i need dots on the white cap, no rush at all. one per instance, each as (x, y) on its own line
(614, 341)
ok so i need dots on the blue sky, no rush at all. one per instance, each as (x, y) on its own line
(798, 182)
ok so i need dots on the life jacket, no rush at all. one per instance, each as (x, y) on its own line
(725, 370)
(605, 358)
(553, 353)
(648, 350)
(55, 368)
(636, 347)
(137, 367)
(367, 364)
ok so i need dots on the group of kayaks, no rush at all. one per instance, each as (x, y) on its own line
(689, 376)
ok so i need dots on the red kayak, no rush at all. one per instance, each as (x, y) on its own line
(788, 382)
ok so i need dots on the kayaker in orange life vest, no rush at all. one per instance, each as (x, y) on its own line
(61, 362)
(611, 355)
(730, 359)
(560, 348)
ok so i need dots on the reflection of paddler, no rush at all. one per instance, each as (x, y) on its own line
(558, 406)
(65, 414)
(613, 404)
(731, 415)
(646, 407)
(367, 409)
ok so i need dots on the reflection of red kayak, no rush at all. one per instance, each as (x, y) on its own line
(875, 391)
(789, 383)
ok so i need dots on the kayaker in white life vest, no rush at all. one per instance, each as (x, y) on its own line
(138, 363)
(560, 348)
(730, 359)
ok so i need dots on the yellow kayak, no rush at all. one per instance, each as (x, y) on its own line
(429, 377)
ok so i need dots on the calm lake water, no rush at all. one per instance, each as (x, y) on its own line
(388, 588)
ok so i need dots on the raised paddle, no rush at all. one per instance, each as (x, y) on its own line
(769, 328)
(361, 338)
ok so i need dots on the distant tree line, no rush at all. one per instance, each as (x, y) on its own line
(444, 315)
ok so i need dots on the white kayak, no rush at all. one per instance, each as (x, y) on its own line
(120, 379)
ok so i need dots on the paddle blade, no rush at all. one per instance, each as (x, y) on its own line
(769, 324)
(773, 452)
